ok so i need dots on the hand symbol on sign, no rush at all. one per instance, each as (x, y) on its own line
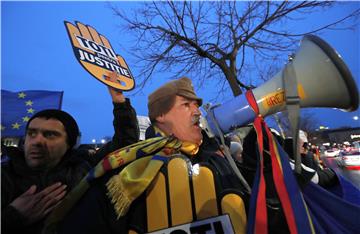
(95, 54)
(185, 193)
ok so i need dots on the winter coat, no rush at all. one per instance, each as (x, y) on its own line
(17, 177)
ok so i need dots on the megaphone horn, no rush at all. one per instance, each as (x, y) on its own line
(323, 80)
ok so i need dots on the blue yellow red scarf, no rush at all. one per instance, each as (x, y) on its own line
(292, 201)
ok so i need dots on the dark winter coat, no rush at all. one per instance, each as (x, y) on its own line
(16, 177)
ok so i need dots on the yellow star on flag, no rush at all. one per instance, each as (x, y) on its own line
(2, 128)
(29, 103)
(31, 110)
(21, 95)
(15, 126)
(25, 119)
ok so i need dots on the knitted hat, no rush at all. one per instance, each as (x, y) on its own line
(70, 125)
(302, 136)
(162, 99)
(235, 147)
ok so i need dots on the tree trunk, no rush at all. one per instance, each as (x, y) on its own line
(235, 88)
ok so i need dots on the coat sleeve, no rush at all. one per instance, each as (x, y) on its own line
(12, 221)
(125, 125)
(126, 129)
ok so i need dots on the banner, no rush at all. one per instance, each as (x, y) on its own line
(95, 53)
(18, 107)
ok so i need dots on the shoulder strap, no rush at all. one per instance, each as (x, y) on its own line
(293, 107)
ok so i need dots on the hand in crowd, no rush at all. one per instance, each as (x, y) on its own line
(116, 95)
(36, 205)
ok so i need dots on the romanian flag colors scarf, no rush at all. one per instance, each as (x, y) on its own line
(292, 201)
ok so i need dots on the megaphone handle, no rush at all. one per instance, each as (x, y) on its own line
(293, 108)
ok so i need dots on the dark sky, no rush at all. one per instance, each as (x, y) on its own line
(36, 55)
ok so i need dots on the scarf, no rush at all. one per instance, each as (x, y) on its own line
(293, 204)
(136, 177)
(142, 162)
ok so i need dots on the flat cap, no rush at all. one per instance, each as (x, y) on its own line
(181, 87)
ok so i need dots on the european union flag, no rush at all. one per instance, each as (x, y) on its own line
(18, 107)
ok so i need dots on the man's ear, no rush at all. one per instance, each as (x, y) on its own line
(160, 118)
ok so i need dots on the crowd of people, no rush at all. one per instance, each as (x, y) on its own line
(177, 176)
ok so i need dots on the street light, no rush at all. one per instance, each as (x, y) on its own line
(94, 142)
(103, 141)
(355, 117)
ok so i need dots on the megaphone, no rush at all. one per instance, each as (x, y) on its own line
(322, 80)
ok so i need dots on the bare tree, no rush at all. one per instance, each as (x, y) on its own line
(213, 40)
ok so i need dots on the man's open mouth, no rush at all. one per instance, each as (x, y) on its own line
(196, 120)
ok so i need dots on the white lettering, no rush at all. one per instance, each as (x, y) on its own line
(82, 58)
(88, 57)
(99, 61)
(93, 46)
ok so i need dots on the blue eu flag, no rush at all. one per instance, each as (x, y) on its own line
(18, 107)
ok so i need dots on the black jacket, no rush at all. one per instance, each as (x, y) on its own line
(16, 177)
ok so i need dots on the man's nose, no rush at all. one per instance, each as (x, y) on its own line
(196, 109)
